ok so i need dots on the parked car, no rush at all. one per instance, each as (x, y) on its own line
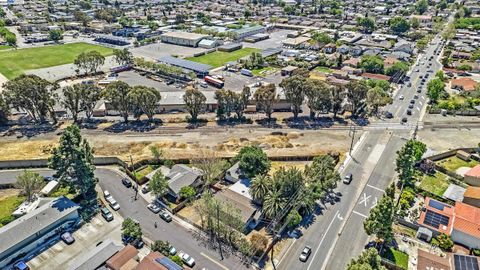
(172, 251)
(138, 243)
(412, 101)
(113, 203)
(126, 182)
(67, 238)
(409, 112)
(127, 239)
(404, 120)
(388, 115)
(305, 253)
(348, 178)
(145, 189)
(165, 216)
(106, 194)
(401, 97)
(154, 208)
(21, 265)
(410, 106)
(186, 259)
(106, 214)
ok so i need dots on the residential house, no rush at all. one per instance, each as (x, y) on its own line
(464, 84)
(156, 261)
(472, 177)
(472, 196)
(389, 61)
(330, 48)
(234, 174)
(352, 62)
(239, 196)
(373, 76)
(343, 49)
(404, 47)
(461, 222)
(127, 257)
(430, 261)
(356, 51)
(96, 257)
(181, 175)
(30, 233)
(461, 55)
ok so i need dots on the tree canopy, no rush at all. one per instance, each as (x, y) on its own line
(253, 161)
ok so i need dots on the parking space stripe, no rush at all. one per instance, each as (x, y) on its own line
(360, 214)
(379, 189)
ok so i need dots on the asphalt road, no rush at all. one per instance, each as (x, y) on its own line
(336, 235)
(178, 236)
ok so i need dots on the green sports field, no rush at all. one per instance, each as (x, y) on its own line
(15, 62)
(218, 59)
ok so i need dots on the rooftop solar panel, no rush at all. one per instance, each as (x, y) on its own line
(437, 205)
(187, 64)
(169, 264)
(465, 262)
(434, 219)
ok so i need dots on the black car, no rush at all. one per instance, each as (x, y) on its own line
(410, 106)
(126, 182)
(138, 243)
(388, 115)
(419, 90)
(412, 101)
(145, 189)
(409, 112)
(404, 119)
(127, 239)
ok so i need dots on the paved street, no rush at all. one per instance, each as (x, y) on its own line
(337, 234)
(177, 235)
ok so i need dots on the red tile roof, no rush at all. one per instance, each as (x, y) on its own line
(467, 219)
(472, 192)
(474, 172)
(467, 84)
(429, 261)
(447, 211)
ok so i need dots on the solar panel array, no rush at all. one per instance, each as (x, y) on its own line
(169, 264)
(437, 205)
(435, 219)
(465, 262)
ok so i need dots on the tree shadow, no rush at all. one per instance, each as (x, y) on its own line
(31, 130)
(197, 124)
(234, 121)
(265, 122)
(305, 122)
(135, 126)
(92, 123)
(360, 121)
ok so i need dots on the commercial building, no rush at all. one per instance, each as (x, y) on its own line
(249, 31)
(114, 40)
(199, 68)
(36, 230)
(182, 38)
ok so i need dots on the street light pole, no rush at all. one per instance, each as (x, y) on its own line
(134, 177)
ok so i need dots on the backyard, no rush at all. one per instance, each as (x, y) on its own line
(436, 184)
(15, 62)
(218, 59)
(7, 206)
(396, 256)
(454, 163)
(4, 47)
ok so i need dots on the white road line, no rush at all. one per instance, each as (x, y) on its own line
(286, 252)
(360, 214)
(368, 185)
(323, 238)
(217, 263)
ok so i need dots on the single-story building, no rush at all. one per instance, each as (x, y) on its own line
(464, 84)
(295, 42)
(127, 256)
(156, 261)
(182, 38)
(234, 174)
(430, 261)
(36, 230)
(472, 177)
(472, 196)
(199, 68)
(181, 175)
(249, 31)
(92, 259)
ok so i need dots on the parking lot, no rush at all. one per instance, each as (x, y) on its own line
(134, 78)
(156, 50)
(275, 40)
(236, 81)
(86, 238)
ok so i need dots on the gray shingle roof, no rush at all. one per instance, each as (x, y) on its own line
(20, 229)
(181, 175)
(95, 257)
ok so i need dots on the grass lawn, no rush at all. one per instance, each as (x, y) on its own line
(436, 184)
(14, 63)
(262, 71)
(62, 191)
(453, 163)
(396, 256)
(323, 69)
(4, 47)
(8, 205)
(218, 59)
(144, 171)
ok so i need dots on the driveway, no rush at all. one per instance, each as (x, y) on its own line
(173, 232)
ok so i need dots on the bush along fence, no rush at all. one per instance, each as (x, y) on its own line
(452, 153)
(455, 112)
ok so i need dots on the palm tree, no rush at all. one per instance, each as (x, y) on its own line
(259, 187)
(306, 201)
(274, 203)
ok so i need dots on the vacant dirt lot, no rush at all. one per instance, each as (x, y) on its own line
(445, 139)
(225, 142)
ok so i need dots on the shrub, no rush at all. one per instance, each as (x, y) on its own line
(444, 242)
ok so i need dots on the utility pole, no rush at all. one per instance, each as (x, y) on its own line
(218, 230)
(351, 133)
(134, 177)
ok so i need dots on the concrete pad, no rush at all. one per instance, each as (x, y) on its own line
(462, 170)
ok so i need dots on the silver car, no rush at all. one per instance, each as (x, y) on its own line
(305, 253)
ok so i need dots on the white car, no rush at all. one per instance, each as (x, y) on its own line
(186, 259)
(115, 206)
(401, 97)
(153, 207)
(106, 194)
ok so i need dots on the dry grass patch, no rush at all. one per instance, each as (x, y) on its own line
(35, 149)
